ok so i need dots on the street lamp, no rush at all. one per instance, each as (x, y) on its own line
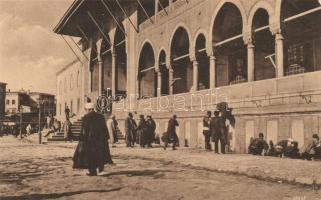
(21, 111)
(40, 101)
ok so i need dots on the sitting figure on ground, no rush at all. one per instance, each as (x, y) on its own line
(286, 148)
(308, 151)
(258, 145)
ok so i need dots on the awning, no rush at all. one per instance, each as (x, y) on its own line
(77, 16)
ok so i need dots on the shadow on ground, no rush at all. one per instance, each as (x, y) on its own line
(55, 195)
(148, 172)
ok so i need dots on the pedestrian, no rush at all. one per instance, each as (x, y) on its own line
(67, 131)
(67, 112)
(110, 130)
(151, 130)
(141, 131)
(48, 122)
(130, 130)
(170, 135)
(218, 132)
(28, 129)
(92, 151)
(115, 129)
(206, 130)
(258, 145)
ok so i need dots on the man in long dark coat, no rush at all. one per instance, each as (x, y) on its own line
(92, 151)
(151, 130)
(218, 131)
(141, 131)
(170, 135)
(130, 130)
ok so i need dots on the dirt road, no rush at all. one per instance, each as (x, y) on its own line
(39, 172)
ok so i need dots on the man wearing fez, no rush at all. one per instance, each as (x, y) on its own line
(92, 151)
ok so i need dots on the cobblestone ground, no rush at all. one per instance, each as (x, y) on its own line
(37, 172)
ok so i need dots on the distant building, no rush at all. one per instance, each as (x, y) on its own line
(47, 101)
(15, 101)
(2, 98)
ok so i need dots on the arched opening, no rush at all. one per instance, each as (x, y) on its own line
(203, 61)
(180, 61)
(302, 34)
(107, 64)
(162, 4)
(121, 62)
(264, 46)
(164, 71)
(146, 72)
(231, 65)
(94, 70)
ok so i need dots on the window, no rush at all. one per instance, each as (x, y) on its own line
(13, 102)
(8, 101)
(60, 109)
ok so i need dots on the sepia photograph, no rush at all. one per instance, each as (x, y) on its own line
(160, 99)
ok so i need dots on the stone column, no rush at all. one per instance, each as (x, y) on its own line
(212, 71)
(171, 78)
(250, 61)
(100, 75)
(195, 74)
(279, 54)
(113, 73)
(159, 83)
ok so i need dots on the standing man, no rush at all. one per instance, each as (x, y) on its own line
(218, 132)
(151, 130)
(67, 131)
(142, 138)
(67, 112)
(92, 151)
(206, 130)
(114, 128)
(130, 130)
(171, 135)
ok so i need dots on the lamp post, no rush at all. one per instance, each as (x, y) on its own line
(40, 101)
(21, 111)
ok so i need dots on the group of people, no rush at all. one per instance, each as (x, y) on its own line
(286, 148)
(218, 130)
(142, 133)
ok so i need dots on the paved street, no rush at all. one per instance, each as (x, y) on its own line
(37, 172)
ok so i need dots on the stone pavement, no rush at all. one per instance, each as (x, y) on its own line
(282, 170)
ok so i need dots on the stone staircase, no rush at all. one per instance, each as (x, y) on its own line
(75, 129)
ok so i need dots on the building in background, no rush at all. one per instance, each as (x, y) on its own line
(15, 101)
(2, 99)
(46, 101)
(165, 57)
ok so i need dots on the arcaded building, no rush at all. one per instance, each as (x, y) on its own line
(166, 57)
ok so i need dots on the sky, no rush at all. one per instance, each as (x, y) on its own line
(30, 52)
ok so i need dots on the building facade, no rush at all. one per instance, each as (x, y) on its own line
(16, 101)
(69, 87)
(162, 57)
(2, 99)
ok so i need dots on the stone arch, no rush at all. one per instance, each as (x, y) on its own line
(146, 41)
(260, 5)
(237, 4)
(196, 35)
(180, 25)
(146, 71)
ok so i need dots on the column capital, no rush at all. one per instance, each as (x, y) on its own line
(99, 58)
(279, 36)
(248, 38)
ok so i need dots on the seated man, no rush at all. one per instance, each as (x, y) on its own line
(309, 149)
(258, 145)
